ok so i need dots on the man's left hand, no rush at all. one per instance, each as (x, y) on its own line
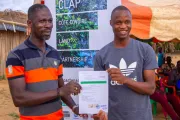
(76, 110)
(116, 75)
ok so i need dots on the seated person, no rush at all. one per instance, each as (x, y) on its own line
(168, 66)
(160, 96)
(174, 76)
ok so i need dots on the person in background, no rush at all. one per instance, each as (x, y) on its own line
(174, 76)
(160, 57)
(168, 66)
(160, 96)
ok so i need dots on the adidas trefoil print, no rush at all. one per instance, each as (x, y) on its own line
(126, 70)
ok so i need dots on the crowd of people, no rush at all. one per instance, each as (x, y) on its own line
(167, 82)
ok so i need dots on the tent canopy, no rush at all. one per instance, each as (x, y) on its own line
(155, 19)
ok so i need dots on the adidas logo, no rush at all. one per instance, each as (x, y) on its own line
(126, 70)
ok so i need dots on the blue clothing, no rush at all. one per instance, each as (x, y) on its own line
(160, 59)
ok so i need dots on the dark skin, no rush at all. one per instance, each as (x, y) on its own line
(121, 23)
(160, 50)
(178, 66)
(41, 26)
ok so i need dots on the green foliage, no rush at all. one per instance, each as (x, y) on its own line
(3, 77)
(73, 40)
(73, 22)
(84, 5)
(15, 116)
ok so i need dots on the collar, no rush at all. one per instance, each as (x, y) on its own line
(33, 46)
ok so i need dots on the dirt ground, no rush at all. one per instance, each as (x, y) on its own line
(9, 112)
(7, 109)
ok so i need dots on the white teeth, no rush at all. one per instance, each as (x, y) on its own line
(123, 32)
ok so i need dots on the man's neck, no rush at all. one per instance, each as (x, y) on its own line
(121, 43)
(39, 43)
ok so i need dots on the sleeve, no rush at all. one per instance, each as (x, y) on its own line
(98, 65)
(60, 68)
(150, 61)
(14, 67)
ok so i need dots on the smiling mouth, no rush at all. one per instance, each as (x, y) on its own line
(47, 33)
(123, 32)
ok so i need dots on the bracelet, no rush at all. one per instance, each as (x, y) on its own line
(75, 106)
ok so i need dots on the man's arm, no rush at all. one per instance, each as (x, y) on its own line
(22, 97)
(67, 99)
(146, 87)
(149, 66)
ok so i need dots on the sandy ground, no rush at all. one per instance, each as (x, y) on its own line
(9, 112)
(7, 109)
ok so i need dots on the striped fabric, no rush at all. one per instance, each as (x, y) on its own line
(40, 71)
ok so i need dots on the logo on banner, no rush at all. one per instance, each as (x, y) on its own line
(97, 106)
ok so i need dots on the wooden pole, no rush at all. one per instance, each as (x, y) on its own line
(11, 22)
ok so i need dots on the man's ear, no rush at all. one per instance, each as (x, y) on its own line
(111, 22)
(29, 26)
(29, 23)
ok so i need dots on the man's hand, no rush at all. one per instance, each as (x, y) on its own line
(76, 111)
(100, 116)
(70, 88)
(116, 75)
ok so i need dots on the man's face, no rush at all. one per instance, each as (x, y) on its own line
(121, 23)
(42, 24)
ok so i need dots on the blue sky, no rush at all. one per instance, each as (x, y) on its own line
(21, 5)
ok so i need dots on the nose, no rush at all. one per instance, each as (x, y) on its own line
(122, 26)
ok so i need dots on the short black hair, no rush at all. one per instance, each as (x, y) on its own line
(121, 7)
(168, 57)
(34, 8)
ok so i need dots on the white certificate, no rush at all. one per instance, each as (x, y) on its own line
(94, 94)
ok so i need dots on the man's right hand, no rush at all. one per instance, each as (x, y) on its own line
(70, 88)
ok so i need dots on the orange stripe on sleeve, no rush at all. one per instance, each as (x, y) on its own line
(60, 69)
(41, 74)
(58, 115)
(14, 71)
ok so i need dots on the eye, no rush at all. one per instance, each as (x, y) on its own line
(42, 21)
(118, 22)
(127, 22)
(50, 21)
